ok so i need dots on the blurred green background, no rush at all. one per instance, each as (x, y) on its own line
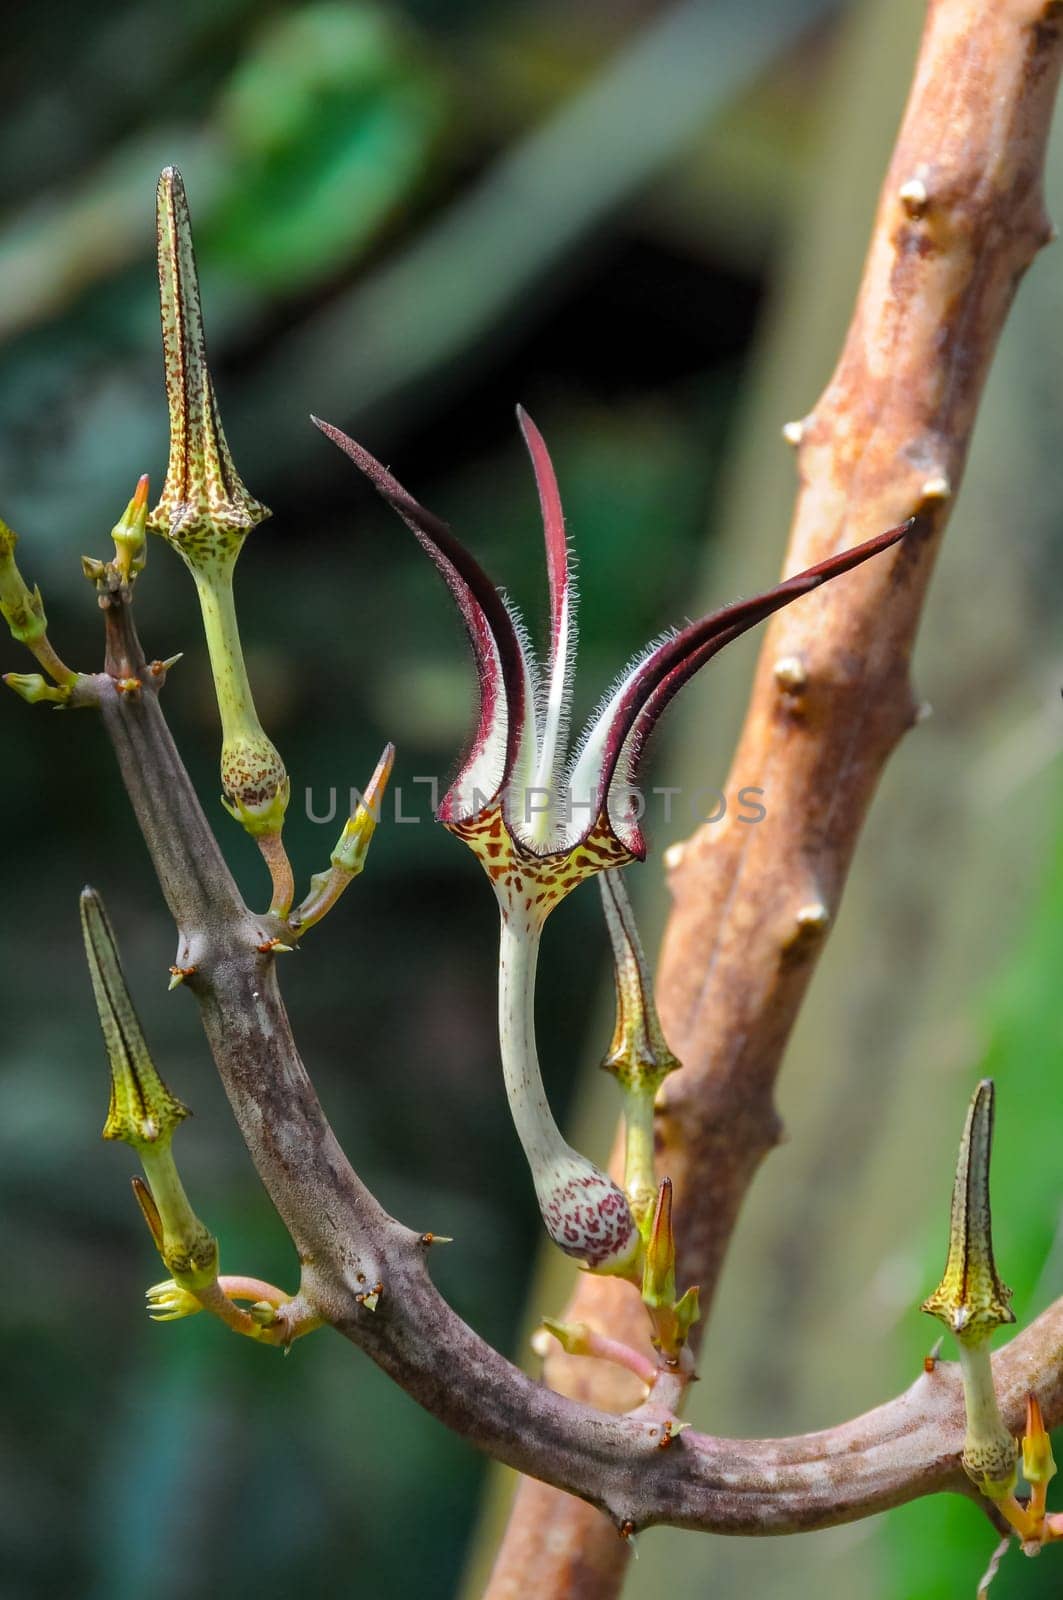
(646, 223)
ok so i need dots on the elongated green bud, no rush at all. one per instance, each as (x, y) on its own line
(672, 1318)
(972, 1302)
(128, 532)
(34, 689)
(143, 1112)
(20, 606)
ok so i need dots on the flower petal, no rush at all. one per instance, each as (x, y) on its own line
(562, 609)
(616, 738)
(502, 669)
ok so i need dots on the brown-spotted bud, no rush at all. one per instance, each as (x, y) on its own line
(204, 511)
(971, 1300)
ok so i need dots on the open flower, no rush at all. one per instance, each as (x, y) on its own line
(541, 820)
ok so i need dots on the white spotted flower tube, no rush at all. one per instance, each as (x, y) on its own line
(541, 819)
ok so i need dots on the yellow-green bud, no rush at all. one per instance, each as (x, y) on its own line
(1038, 1462)
(167, 1302)
(573, 1337)
(971, 1300)
(143, 1112)
(128, 532)
(32, 688)
(21, 607)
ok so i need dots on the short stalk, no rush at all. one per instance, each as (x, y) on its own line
(55, 668)
(580, 1339)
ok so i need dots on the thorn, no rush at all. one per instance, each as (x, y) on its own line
(178, 975)
(158, 669)
(914, 197)
(923, 712)
(436, 1238)
(274, 947)
(673, 856)
(128, 685)
(790, 674)
(626, 1531)
(540, 1343)
(793, 432)
(930, 1360)
(937, 488)
(813, 918)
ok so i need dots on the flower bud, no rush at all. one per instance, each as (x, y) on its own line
(32, 688)
(1038, 1462)
(971, 1300)
(143, 1112)
(128, 532)
(21, 607)
(204, 510)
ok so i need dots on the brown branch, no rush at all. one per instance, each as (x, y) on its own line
(960, 218)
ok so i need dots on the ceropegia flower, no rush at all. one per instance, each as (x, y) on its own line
(972, 1302)
(540, 820)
